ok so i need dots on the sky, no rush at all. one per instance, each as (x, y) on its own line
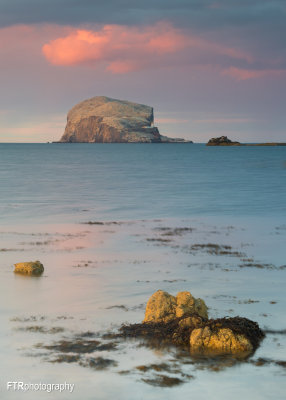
(209, 68)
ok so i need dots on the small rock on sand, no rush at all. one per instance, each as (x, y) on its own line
(29, 268)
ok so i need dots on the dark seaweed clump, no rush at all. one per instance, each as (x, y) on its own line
(177, 333)
(163, 381)
(80, 346)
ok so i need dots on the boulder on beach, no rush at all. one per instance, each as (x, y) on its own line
(163, 307)
(182, 320)
(29, 268)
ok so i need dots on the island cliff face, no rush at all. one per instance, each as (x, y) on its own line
(105, 120)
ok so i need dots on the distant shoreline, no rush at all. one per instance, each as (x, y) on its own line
(225, 141)
(247, 144)
(272, 144)
(180, 142)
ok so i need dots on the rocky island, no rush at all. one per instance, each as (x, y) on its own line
(105, 120)
(225, 141)
(222, 141)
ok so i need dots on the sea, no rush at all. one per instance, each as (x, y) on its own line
(113, 223)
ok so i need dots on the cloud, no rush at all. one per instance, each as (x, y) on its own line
(171, 121)
(243, 74)
(33, 131)
(231, 120)
(4, 112)
(21, 42)
(123, 48)
(255, 25)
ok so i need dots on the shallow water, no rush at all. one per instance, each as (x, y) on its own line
(99, 276)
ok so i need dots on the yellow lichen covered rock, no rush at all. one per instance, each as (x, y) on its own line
(29, 268)
(193, 321)
(186, 303)
(201, 308)
(183, 320)
(163, 307)
(219, 341)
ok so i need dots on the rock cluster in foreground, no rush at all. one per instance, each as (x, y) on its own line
(163, 307)
(105, 120)
(183, 321)
(29, 268)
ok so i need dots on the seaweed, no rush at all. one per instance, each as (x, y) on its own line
(216, 249)
(122, 307)
(80, 346)
(66, 358)
(260, 362)
(176, 332)
(158, 368)
(163, 381)
(98, 363)
(41, 329)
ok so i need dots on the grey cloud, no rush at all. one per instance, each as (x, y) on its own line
(93, 11)
(204, 13)
(256, 26)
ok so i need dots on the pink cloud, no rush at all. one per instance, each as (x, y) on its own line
(244, 74)
(121, 67)
(20, 45)
(123, 48)
(119, 46)
(30, 35)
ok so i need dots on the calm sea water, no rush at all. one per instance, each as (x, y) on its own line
(56, 182)
(99, 276)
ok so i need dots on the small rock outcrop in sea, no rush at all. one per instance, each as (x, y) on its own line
(29, 268)
(183, 321)
(225, 141)
(163, 307)
(105, 120)
(222, 141)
